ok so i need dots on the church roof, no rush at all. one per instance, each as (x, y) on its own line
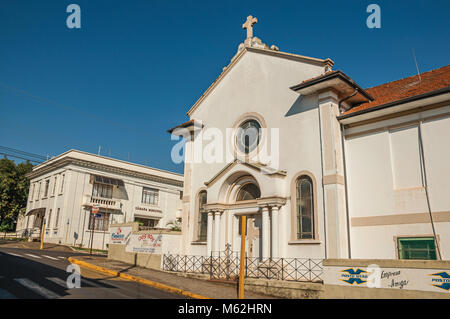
(406, 88)
(257, 48)
(385, 95)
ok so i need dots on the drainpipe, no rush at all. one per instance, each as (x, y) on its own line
(346, 192)
(422, 153)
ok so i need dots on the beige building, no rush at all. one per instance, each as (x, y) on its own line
(321, 167)
(64, 189)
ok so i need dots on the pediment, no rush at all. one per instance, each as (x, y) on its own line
(255, 167)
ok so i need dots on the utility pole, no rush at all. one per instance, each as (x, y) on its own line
(95, 209)
(42, 234)
(242, 260)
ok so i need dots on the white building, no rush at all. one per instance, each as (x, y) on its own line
(357, 174)
(64, 189)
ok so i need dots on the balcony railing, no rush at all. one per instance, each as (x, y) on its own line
(108, 203)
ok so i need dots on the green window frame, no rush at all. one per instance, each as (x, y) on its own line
(421, 248)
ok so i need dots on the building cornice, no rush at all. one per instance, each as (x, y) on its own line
(65, 161)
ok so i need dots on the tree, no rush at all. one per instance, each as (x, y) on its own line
(14, 187)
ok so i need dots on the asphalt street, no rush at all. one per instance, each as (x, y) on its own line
(36, 274)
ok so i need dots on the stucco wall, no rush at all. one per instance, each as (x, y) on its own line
(260, 83)
(381, 206)
(74, 217)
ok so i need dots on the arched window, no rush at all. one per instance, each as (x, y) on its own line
(305, 208)
(202, 216)
(248, 192)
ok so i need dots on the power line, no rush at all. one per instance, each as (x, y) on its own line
(13, 150)
(20, 157)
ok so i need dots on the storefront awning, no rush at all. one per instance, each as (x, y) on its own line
(149, 216)
(106, 180)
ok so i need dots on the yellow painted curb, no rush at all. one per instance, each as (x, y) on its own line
(137, 279)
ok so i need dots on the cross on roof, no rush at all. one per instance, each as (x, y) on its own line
(249, 26)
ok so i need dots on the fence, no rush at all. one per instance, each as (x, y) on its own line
(24, 233)
(226, 265)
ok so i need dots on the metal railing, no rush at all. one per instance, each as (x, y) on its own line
(225, 265)
(23, 233)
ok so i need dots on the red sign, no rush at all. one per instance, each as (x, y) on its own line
(95, 209)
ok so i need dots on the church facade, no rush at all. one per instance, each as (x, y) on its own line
(321, 167)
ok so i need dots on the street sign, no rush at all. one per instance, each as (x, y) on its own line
(95, 209)
(97, 215)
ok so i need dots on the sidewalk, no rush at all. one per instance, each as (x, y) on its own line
(197, 286)
(9, 243)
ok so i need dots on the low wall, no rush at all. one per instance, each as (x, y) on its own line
(285, 289)
(142, 248)
(382, 278)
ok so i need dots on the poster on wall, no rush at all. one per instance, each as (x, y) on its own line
(120, 235)
(435, 280)
(144, 243)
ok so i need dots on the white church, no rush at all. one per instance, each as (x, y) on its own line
(321, 167)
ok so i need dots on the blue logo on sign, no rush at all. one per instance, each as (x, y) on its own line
(443, 281)
(352, 276)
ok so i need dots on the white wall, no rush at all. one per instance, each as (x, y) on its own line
(385, 177)
(74, 217)
(260, 83)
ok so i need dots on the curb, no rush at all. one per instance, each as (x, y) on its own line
(138, 279)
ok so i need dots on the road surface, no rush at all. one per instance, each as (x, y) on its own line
(36, 274)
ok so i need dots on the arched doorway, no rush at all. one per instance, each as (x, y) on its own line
(247, 193)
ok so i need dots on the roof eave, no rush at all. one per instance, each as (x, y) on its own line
(376, 109)
(320, 80)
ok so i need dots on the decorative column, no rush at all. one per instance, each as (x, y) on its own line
(275, 212)
(209, 230)
(333, 180)
(216, 230)
(235, 232)
(265, 232)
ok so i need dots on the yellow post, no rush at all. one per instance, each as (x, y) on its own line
(42, 235)
(242, 261)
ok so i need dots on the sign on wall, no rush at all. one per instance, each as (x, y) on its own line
(144, 243)
(120, 235)
(434, 280)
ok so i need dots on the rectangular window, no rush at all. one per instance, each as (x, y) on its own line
(32, 191)
(57, 218)
(39, 192)
(54, 185)
(146, 222)
(47, 185)
(102, 190)
(49, 219)
(202, 226)
(150, 196)
(62, 183)
(417, 248)
(99, 223)
(406, 157)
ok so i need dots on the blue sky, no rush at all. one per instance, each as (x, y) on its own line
(135, 67)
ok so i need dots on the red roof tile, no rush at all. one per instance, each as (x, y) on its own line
(407, 87)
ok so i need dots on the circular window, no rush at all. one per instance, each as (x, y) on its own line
(248, 136)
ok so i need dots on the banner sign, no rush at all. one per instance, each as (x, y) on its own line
(434, 280)
(144, 243)
(120, 235)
